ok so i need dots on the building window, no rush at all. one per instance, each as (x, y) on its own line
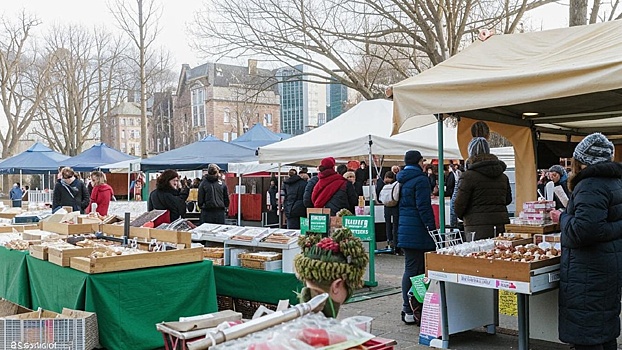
(234, 135)
(122, 121)
(131, 121)
(123, 134)
(198, 107)
(267, 119)
(225, 137)
(227, 116)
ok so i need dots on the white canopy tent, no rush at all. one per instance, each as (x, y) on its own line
(350, 134)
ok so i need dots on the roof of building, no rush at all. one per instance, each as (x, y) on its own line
(126, 108)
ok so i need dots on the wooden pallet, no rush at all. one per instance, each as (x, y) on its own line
(531, 229)
(137, 261)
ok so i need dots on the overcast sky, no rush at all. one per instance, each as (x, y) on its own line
(178, 13)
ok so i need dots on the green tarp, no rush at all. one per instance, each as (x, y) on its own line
(14, 276)
(263, 286)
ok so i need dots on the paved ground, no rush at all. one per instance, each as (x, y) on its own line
(386, 313)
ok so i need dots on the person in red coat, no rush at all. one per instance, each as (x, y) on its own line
(101, 195)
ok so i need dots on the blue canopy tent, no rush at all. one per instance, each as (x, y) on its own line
(38, 159)
(258, 136)
(199, 154)
(95, 157)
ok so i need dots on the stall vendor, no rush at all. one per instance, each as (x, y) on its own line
(333, 265)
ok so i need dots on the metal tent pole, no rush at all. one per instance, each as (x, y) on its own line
(441, 177)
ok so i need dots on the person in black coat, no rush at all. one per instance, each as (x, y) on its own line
(306, 199)
(362, 177)
(166, 196)
(591, 242)
(70, 191)
(293, 194)
(333, 190)
(213, 197)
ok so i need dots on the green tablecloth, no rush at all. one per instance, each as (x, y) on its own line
(128, 303)
(14, 276)
(262, 286)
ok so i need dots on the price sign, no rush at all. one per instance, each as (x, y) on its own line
(361, 226)
(319, 223)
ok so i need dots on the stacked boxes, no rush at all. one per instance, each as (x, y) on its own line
(536, 213)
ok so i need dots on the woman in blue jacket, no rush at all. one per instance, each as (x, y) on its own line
(416, 218)
(591, 261)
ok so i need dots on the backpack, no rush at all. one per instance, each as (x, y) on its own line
(390, 194)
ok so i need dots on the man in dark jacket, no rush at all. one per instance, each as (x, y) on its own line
(483, 193)
(213, 197)
(333, 190)
(416, 218)
(362, 177)
(591, 261)
(306, 199)
(293, 193)
(70, 191)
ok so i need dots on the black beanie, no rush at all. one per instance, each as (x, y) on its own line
(412, 157)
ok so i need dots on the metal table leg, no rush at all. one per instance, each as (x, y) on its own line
(523, 321)
(444, 317)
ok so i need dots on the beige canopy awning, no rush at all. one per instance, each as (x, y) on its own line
(550, 85)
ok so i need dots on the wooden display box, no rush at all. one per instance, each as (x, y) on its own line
(266, 265)
(142, 233)
(514, 242)
(68, 229)
(178, 237)
(137, 261)
(531, 229)
(62, 257)
(38, 251)
(18, 228)
(481, 267)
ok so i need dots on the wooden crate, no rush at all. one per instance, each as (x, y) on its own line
(18, 228)
(266, 265)
(137, 261)
(531, 229)
(514, 242)
(169, 236)
(142, 233)
(489, 268)
(38, 251)
(68, 229)
(62, 257)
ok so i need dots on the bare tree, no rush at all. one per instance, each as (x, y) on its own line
(601, 11)
(21, 73)
(139, 19)
(354, 41)
(71, 111)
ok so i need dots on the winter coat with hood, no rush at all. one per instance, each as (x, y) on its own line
(293, 191)
(167, 198)
(102, 195)
(415, 210)
(591, 261)
(483, 195)
(74, 195)
(212, 194)
(344, 198)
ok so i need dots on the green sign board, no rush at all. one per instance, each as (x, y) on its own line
(319, 223)
(304, 226)
(361, 226)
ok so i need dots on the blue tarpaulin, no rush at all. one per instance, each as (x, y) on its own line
(198, 155)
(258, 136)
(38, 159)
(95, 157)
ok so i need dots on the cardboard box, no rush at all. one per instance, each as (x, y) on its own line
(8, 308)
(68, 229)
(551, 238)
(318, 211)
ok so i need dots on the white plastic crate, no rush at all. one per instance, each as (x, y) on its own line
(50, 333)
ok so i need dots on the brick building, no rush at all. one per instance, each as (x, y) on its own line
(224, 101)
